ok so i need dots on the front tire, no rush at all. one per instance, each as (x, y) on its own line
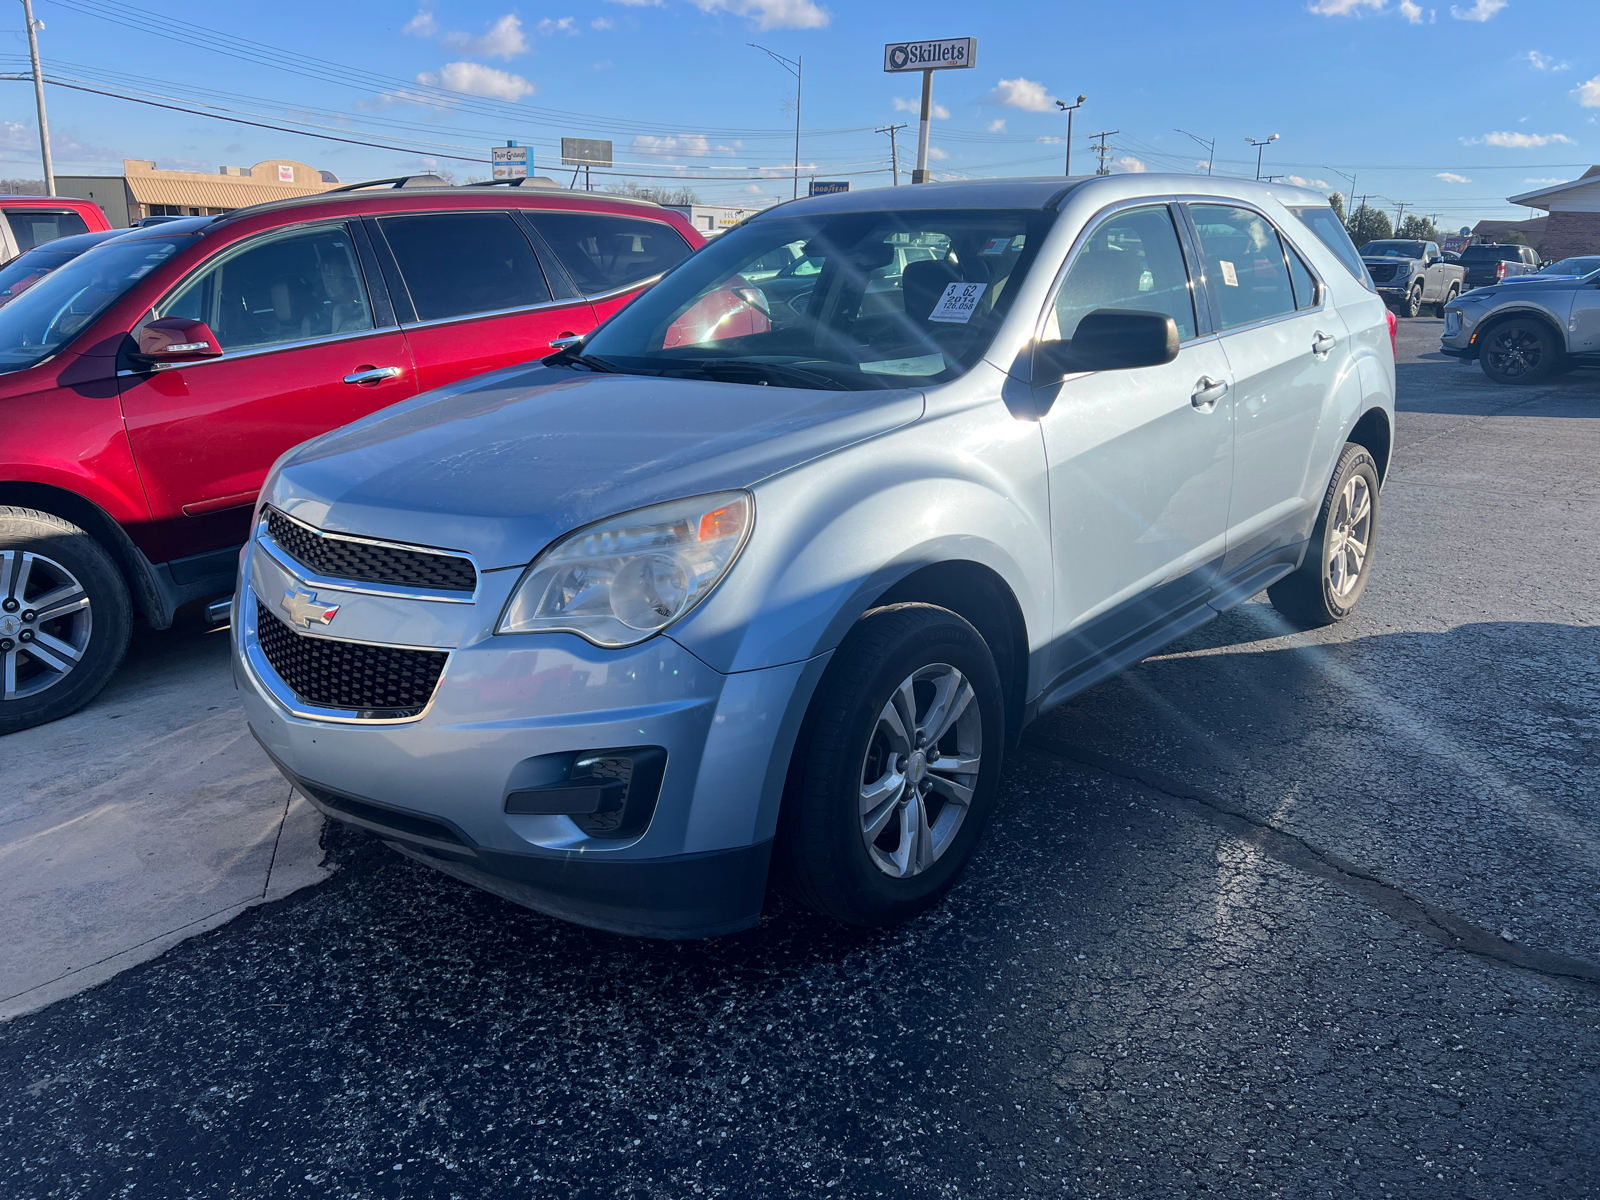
(65, 618)
(1327, 585)
(1519, 351)
(896, 768)
(1413, 302)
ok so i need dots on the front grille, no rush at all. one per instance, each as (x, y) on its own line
(1381, 272)
(378, 682)
(344, 558)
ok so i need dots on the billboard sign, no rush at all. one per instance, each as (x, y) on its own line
(829, 187)
(585, 152)
(950, 54)
(510, 162)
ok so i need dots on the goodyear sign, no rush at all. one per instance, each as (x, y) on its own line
(829, 187)
(931, 56)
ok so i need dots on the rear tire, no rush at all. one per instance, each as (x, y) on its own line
(1327, 585)
(1438, 309)
(65, 618)
(1519, 351)
(874, 830)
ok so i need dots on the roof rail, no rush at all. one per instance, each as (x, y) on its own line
(397, 181)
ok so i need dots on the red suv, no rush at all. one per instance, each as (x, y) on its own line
(32, 221)
(147, 385)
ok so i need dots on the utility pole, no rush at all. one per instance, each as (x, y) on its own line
(1069, 109)
(894, 154)
(38, 95)
(1211, 147)
(1260, 147)
(1103, 150)
(795, 67)
(1399, 212)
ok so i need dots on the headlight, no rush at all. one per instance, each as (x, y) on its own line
(627, 578)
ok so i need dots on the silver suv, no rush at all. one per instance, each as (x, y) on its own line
(729, 586)
(1529, 330)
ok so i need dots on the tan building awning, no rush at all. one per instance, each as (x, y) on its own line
(213, 191)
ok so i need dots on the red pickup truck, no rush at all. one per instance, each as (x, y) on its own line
(147, 386)
(32, 221)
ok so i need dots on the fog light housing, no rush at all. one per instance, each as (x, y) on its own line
(606, 793)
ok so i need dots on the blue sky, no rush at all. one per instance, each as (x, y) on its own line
(1448, 109)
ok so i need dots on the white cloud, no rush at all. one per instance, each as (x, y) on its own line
(17, 137)
(639, 3)
(1480, 11)
(1452, 177)
(1321, 185)
(475, 79)
(935, 154)
(1543, 62)
(504, 39)
(549, 28)
(1022, 93)
(752, 189)
(603, 65)
(602, 23)
(688, 145)
(1518, 141)
(771, 14)
(1588, 94)
(1411, 11)
(1049, 140)
(998, 125)
(1128, 165)
(901, 104)
(1344, 8)
(1543, 182)
(421, 25)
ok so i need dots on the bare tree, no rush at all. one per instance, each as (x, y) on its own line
(661, 195)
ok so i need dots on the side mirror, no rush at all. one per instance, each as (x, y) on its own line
(177, 339)
(1113, 339)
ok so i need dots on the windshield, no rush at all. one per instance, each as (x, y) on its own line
(21, 273)
(58, 307)
(1581, 265)
(864, 300)
(1392, 250)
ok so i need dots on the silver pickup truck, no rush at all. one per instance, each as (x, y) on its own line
(1410, 274)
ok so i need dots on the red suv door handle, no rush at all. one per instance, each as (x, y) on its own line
(565, 340)
(373, 374)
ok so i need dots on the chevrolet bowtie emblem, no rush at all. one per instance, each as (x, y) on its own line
(303, 608)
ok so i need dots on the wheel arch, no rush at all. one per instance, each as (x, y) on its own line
(1373, 431)
(1495, 320)
(104, 528)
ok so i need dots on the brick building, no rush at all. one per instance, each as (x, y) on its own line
(1574, 208)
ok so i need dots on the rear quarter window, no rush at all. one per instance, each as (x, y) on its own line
(1330, 231)
(603, 253)
(35, 227)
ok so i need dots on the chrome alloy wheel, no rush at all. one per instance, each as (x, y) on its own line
(1349, 537)
(45, 623)
(920, 769)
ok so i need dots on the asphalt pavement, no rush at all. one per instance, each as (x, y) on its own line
(1273, 913)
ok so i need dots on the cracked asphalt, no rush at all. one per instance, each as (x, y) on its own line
(1271, 914)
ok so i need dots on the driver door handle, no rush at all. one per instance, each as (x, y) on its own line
(1207, 391)
(1322, 343)
(374, 374)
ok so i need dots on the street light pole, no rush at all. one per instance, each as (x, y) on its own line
(1211, 147)
(38, 95)
(795, 67)
(1260, 148)
(1069, 109)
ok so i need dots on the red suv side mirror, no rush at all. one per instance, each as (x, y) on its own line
(177, 339)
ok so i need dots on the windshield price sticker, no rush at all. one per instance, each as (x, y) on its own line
(1230, 277)
(996, 246)
(959, 302)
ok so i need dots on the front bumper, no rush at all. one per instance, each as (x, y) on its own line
(512, 712)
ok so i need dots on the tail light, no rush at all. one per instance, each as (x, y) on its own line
(1392, 323)
(1500, 270)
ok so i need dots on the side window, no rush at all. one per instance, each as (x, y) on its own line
(284, 288)
(603, 253)
(1245, 268)
(36, 228)
(1433, 250)
(457, 264)
(1305, 285)
(1132, 259)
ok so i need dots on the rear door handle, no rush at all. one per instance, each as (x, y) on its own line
(1208, 391)
(374, 374)
(1322, 343)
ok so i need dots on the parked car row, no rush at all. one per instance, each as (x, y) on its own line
(148, 383)
(720, 589)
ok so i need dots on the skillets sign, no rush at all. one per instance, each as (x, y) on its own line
(947, 55)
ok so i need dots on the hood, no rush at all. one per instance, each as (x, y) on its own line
(1387, 258)
(503, 464)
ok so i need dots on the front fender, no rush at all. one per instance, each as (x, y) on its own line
(834, 535)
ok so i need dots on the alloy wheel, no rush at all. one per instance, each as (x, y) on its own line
(45, 623)
(920, 769)
(1515, 352)
(1349, 537)
(1414, 301)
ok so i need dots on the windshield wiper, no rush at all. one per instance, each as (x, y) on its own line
(569, 356)
(775, 372)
